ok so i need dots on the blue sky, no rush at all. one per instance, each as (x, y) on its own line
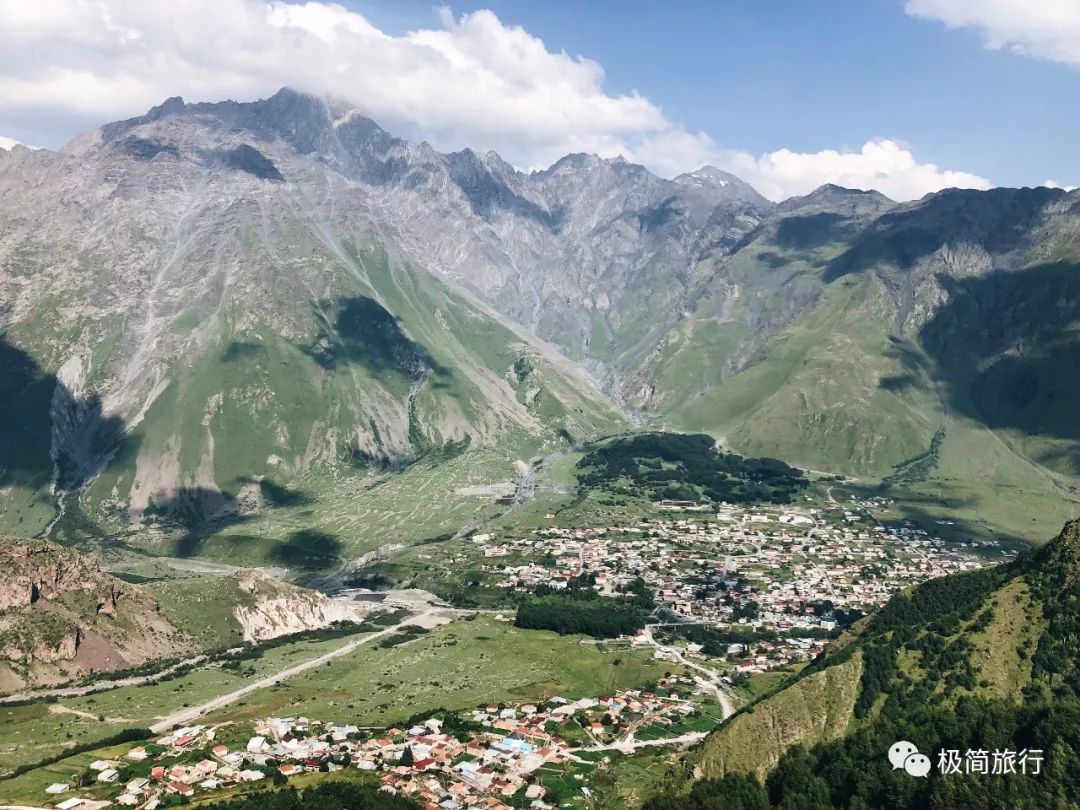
(761, 75)
(904, 96)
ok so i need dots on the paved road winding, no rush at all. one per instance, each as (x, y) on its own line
(707, 679)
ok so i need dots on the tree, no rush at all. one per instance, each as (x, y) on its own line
(407, 758)
(732, 792)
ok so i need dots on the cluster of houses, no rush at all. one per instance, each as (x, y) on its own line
(145, 787)
(790, 571)
(477, 759)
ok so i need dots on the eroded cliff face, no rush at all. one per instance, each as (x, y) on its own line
(35, 571)
(62, 617)
(275, 609)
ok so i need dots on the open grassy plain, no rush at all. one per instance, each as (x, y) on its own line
(459, 665)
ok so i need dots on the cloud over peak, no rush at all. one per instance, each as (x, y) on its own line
(471, 81)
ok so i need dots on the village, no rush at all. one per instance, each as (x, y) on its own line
(787, 578)
(737, 592)
(494, 757)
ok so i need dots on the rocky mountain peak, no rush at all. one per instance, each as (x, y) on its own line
(840, 200)
(171, 105)
(174, 105)
(721, 186)
(300, 119)
(576, 161)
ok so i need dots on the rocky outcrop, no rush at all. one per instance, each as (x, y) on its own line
(36, 571)
(65, 650)
(275, 609)
(61, 617)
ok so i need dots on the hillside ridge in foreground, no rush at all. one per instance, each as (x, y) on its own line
(981, 661)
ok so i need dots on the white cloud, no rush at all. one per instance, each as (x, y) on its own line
(475, 80)
(882, 164)
(7, 143)
(1045, 29)
(1056, 184)
(471, 81)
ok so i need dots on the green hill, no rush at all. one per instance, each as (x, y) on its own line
(292, 403)
(985, 660)
(929, 348)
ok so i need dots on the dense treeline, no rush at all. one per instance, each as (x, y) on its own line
(1053, 574)
(330, 795)
(939, 603)
(732, 792)
(922, 622)
(685, 467)
(568, 612)
(854, 773)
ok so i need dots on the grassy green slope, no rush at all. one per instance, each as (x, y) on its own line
(815, 394)
(362, 412)
(815, 709)
(998, 641)
(875, 352)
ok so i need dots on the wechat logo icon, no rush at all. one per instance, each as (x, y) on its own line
(904, 754)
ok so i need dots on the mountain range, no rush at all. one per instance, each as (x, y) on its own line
(216, 308)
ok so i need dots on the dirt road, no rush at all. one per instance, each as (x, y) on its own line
(99, 686)
(191, 713)
(633, 745)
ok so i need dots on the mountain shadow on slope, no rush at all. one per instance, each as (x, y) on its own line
(46, 428)
(26, 393)
(246, 158)
(310, 549)
(366, 333)
(999, 220)
(809, 231)
(488, 193)
(238, 350)
(1007, 347)
(144, 149)
(915, 371)
(277, 494)
(194, 514)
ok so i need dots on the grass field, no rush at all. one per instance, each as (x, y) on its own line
(30, 733)
(455, 666)
(756, 686)
(29, 788)
(983, 482)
